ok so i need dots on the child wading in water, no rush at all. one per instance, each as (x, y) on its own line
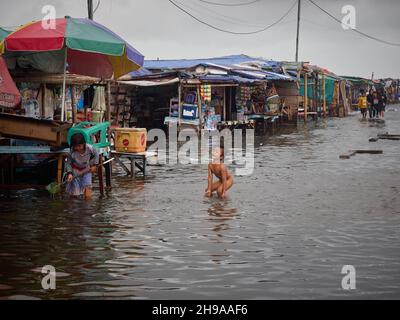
(81, 163)
(221, 172)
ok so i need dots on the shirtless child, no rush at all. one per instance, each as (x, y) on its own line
(221, 172)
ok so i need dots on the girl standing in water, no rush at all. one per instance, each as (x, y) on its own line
(81, 163)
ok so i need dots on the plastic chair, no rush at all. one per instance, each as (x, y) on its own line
(88, 129)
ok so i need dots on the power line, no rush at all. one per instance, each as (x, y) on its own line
(97, 6)
(222, 17)
(233, 32)
(230, 4)
(228, 19)
(355, 30)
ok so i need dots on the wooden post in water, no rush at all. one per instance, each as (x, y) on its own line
(108, 170)
(305, 96)
(100, 174)
(324, 94)
(224, 105)
(199, 106)
(179, 102)
(230, 104)
(315, 91)
(60, 159)
(350, 98)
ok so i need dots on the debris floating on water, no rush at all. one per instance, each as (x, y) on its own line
(354, 152)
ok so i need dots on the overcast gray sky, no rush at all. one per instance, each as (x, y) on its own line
(159, 30)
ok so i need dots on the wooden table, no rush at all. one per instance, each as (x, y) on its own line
(138, 160)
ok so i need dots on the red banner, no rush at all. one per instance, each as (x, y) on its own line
(9, 94)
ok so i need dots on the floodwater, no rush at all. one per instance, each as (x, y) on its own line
(285, 231)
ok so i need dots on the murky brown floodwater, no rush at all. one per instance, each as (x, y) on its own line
(284, 232)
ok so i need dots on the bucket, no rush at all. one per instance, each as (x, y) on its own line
(130, 139)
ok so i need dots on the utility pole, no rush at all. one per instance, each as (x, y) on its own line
(298, 29)
(90, 9)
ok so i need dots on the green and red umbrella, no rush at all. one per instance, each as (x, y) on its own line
(89, 48)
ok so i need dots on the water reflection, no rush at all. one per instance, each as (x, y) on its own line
(219, 213)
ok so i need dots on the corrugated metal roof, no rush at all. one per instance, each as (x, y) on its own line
(357, 79)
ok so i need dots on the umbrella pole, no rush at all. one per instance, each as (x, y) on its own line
(63, 87)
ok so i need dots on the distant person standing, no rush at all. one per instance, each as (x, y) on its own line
(362, 104)
(375, 105)
(382, 103)
(370, 98)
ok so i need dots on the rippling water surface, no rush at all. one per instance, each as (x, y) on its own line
(284, 232)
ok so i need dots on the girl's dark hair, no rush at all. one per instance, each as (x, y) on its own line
(77, 139)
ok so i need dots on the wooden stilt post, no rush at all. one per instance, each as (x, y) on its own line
(324, 94)
(43, 109)
(224, 105)
(59, 168)
(305, 96)
(100, 174)
(73, 103)
(85, 111)
(63, 86)
(132, 161)
(350, 97)
(316, 93)
(199, 106)
(108, 174)
(230, 104)
(312, 104)
(179, 102)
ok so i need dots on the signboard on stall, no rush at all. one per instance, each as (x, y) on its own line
(189, 111)
(9, 94)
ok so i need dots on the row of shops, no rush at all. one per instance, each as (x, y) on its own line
(208, 94)
(239, 91)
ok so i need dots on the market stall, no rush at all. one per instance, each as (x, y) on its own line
(144, 101)
(60, 74)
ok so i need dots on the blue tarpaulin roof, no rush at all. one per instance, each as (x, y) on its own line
(262, 75)
(236, 65)
(190, 63)
(225, 79)
(140, 72)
